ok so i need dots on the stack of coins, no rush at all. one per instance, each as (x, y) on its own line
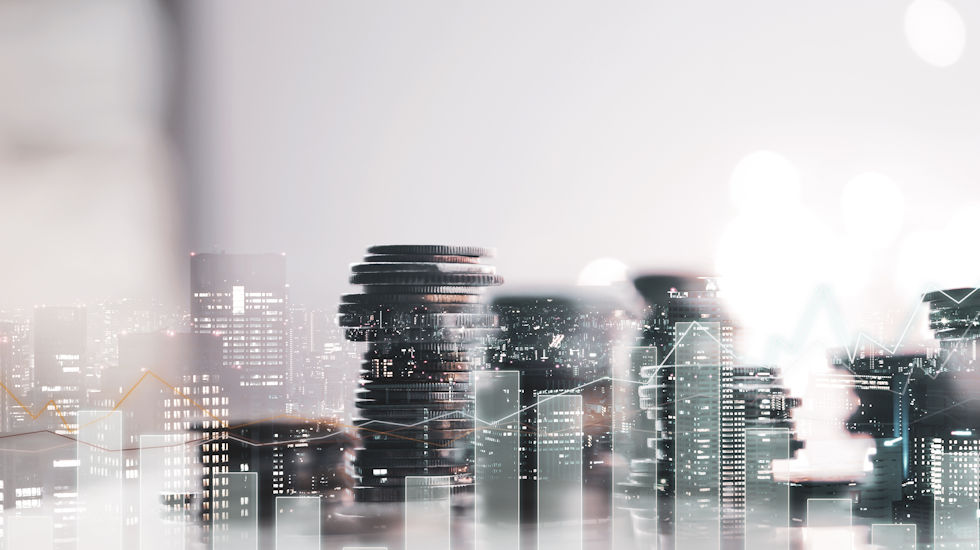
(423, 313)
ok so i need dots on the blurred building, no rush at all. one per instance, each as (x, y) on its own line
(686, 323)
(671, 300)
(241, 298)
(166, 384)
(751, 397)
(59, 362)
(110, 320)
(918, 407)
(954, 317)
(317, 385)
(289, 458)
(16, 374)
(59, 377)
(564, 343)
(943, 416)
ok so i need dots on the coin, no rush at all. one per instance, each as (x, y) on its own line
(442, 259)
(435, 279)
(449, 250)
(421, 267)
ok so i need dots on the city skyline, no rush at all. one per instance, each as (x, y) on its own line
(429, 275)
(686, 326)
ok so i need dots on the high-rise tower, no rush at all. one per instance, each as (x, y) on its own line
(564, 343)
(59, 363)
(59, 360)
(422, 312)
(241, 298)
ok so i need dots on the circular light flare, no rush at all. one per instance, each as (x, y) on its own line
(940, 257)
(770, 258)
(935, 31)
(765, 181)
(770, 266)
(873, 207)
(603, 272)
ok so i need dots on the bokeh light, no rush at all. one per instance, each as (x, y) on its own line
(603, 272)
(873, 209)
(935, 32)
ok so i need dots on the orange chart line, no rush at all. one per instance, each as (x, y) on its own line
(222, 422)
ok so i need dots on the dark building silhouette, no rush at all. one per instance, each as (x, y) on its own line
(917, 407)
(564, 343)
(289, 458)
(944, 418)
(954, 318)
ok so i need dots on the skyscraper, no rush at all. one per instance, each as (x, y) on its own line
(242, 299)
(15, 373)
(422, 312)
(181, 394)
(752, 397)
(59, 364)
(564, 344)
(687, 324)
(886, 386)
(295, 458)
(59, 359)
(651, 454)
(938, 414)
(695, 305)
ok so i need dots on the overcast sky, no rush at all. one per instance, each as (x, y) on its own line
(558, 132)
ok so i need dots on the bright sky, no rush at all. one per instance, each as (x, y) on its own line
(565, 132)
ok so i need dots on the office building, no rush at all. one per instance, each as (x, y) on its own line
(242, 298)
(954, 318)
(564, 344)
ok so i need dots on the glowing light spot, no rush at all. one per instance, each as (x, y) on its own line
(764, 180)
(873, 207)
(603, 272)
(935, 32)
(770, 265)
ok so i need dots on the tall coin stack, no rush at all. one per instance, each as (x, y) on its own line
(423, 313)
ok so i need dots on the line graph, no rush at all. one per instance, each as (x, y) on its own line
(822, 299)
(149, 374)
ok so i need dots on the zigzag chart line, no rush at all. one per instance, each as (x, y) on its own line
(150, 374)
(823, 299)
(820, 299)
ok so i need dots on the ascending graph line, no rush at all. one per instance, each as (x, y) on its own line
(333, 422)
(823, 299)
(242, 439)
(224, 423)
(820, 299)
